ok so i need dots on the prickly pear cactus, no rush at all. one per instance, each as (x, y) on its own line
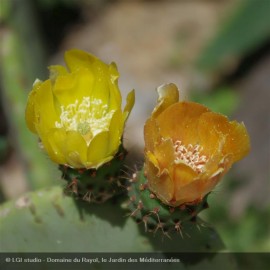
(48, 220)
(155, 215)
(95, 185)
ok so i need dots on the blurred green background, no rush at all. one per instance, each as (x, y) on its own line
(216, 51)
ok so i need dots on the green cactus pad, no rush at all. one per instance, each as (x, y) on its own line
(154, 214)
(49, 221)
(95, 185)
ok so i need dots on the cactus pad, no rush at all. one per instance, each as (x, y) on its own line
(154, 214)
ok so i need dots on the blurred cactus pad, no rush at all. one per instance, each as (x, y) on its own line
(49, 221)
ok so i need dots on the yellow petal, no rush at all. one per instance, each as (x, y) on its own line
(30, 115)
(115, 132)
(76, 59)
(76, 149)
(44, 107)
(73, 86)
(98, 148)
(54, 142)
(100, 86)
(168, 94)
(56, 71)
(115, 99)
(67, 147)
(180, 121)
(129, 105)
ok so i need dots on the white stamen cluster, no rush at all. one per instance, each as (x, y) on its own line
(86, 116)
(190, 155)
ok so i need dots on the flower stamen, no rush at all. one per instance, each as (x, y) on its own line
(88, 116)
(190, 155)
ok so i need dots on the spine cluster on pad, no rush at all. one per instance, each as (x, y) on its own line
(145, 208)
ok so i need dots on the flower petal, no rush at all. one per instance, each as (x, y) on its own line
(183, 175)
(115, 99)
(100, 83)
(129, 105)
(199, 187)
(98, 148)
(73, 86)
(151, 134)
(54, 142)
(76, 59)
(76, 149)
(164, 153)
(160, 184)
(57, 70)
(30, 115)
(115, 132)
(45, 112)
(209, 139)
(234, 135)
(168, 94)
(67, 147)
(180, 121)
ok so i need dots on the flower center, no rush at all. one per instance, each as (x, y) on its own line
(190, 155)
(89, 117)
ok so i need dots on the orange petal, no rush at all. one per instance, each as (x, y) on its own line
(180, 120)
(168, 94)
(211, 140)
(164, 153)
(183, 175)
(161, 185)
(151, 134)
(234, 135)
(198, 188)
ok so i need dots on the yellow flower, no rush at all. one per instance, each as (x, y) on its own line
(77, 111)
(188, 148)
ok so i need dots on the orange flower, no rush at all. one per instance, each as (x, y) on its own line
(188, 148)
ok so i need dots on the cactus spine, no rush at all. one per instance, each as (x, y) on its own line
(154, 214)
